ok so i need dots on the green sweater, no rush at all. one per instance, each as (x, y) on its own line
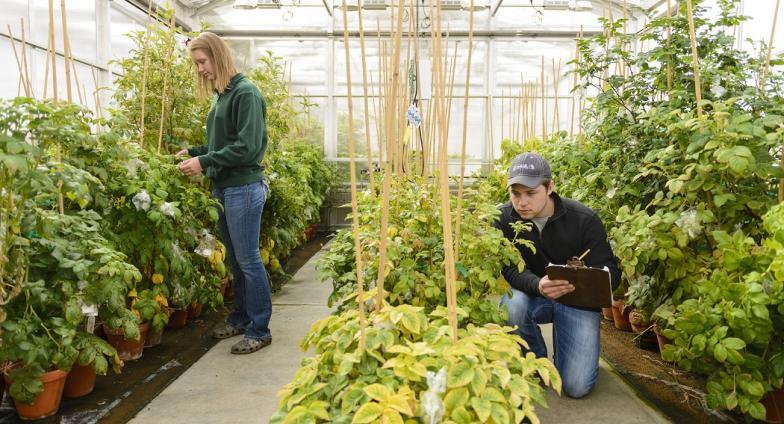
(236, 136)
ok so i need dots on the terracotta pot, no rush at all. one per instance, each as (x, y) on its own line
(194, 311)
(80, 381)
(621, 317)
(637, 322)
(774, 405)
(224, 286)
(229, 291)
(663, 341)
(48, 401)
(607, 313)
(129, 350)
(178, 318)
(153, 338)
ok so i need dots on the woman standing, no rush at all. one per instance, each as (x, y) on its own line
(237, 139)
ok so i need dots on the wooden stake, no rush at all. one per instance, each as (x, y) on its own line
(669, 62)
(96, 94)
(22, 81)
(694, 59)
(544, 107)
(66, 52)
(166, 73)
(371, 183)
(144, 72)
(465, 134)
(54, 51)
(523, 110)
(770, 44)
(354, 202)
(502, 114)
(574, 79)
(24, 60)
(557, 113)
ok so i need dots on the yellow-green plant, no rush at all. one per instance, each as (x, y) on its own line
(487, 377)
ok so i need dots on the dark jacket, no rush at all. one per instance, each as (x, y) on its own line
(573, 229)
(236, 136)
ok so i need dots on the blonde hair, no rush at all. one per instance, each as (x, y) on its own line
(222, 62)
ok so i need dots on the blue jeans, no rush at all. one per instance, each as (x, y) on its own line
(575, 338)
(239, 224)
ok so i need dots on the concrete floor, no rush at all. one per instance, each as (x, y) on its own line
(226, 388)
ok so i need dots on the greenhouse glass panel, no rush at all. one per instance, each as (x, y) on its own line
(121, 26)
(81, 27)
(12, 11)
(283, 14)
(306, 60)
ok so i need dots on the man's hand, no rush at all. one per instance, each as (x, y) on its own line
(183, 152)
(190, 167)
(553, 289)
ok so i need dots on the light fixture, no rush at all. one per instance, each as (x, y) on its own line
(245, 4)
(581, 5)
(351, 5)
(374, 4)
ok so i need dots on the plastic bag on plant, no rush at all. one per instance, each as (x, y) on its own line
(431, 401)
(167, 209)
(206, 244)
(689, 224)
(142, 201)
(412, 114)
(133, 165)
(177, 252)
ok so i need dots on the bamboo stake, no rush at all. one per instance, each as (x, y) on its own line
(694, 59)
(623, 47)
(489, 112)
(544, 106)
(96, 95)
(24, 59)
(523, 110)
(770, 44)
(669, 62)
(502, 114)
(557, 113)
(22, 81)
(353, 172)
(144, 72)
(574, 79)
(365, 100)
(82, 98)
(46, 61)
(458, 224)
(54, 50)
(66, 52)
(387, 173)
(166, 86)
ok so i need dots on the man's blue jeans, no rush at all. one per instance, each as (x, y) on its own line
(240, 223)
(575, 338)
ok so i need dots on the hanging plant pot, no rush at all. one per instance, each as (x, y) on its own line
(194, 311)
(621, 316)
(48, 401)
(774, 406)
(80, 381)
(129, 350)
(607, 313)
(178, 318)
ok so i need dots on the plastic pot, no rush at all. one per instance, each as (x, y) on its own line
(48, 401)
(128, 349)
(80, 381)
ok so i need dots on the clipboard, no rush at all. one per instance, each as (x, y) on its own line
(592, 286)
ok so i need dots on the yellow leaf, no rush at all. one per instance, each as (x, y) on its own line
(157, 278)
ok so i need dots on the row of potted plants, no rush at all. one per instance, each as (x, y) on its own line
(688, 196)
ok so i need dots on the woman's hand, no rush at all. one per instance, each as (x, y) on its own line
(190, 167)
(183, 152)
(553, 289)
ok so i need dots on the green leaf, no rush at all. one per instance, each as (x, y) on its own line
(757, 410)
(720, 353)
(368, 413)
(456, 398)
(733, 343)
(482, 407)
(460, 375)
(462, 416)
(378, 392)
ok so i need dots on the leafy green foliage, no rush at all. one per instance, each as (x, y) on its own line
(487, 378)
(414, 271)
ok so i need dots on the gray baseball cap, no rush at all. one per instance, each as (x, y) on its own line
(528, 169)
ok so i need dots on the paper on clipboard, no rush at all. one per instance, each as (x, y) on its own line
(592, 286)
